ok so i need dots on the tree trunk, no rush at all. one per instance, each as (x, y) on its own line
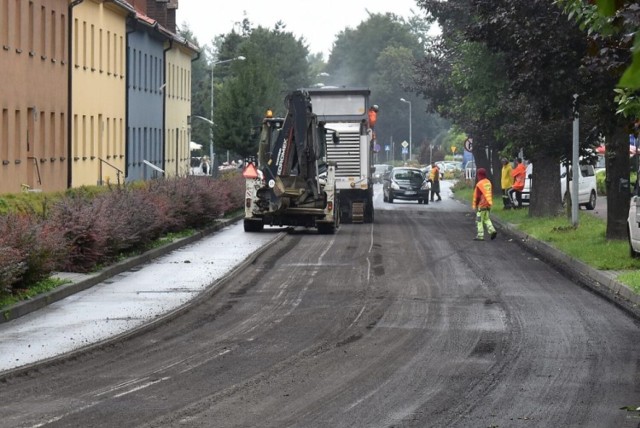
(545, 199)
(617, 184)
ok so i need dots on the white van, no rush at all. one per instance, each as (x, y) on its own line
(587, 185)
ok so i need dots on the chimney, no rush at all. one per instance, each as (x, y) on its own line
(163, 11)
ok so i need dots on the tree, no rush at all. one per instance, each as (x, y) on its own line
(541, 54)
(276, 63)
(609, 93)
(379, 54)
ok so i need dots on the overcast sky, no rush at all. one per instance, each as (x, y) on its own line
(317, 22)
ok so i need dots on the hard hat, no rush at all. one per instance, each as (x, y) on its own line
(375, 107)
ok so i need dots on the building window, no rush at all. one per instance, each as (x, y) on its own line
(109, 52)
(43, 33)
(4, 23)
(52, 135)
(54, 39)
(76, 42)
(18, 134)
(76, 149)
(31, 28)
(4, 131)
(100, 51)
(93, 47)
(42, 143)
(63, 37)
(18, 27)
(84, 44)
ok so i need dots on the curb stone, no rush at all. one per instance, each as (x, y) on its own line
(80, 282)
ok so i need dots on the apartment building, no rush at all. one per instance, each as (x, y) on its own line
(34, 87)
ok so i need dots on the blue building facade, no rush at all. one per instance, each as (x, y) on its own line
(145, 96)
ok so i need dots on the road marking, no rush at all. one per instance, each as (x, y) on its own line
(138, 388)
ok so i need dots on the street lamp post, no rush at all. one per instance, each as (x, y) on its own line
(410, 133)
(211, 151)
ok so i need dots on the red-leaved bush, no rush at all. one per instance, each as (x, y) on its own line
(84, 230)
(30, 249)
(101, 227)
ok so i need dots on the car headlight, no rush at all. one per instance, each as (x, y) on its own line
(395, 186)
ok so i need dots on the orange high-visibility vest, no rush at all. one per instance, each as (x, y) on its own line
(519, 175)
(483, 194)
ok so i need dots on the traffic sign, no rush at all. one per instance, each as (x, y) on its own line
(387, 148)
(405, 151)
(468, 144)
(405, 144)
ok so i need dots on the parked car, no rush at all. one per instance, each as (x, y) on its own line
(406, 183)
(633, 224)
(587, 185)
(379, 171)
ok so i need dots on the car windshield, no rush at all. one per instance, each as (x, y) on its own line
(407, 174)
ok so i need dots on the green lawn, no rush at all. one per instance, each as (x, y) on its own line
(586, 242)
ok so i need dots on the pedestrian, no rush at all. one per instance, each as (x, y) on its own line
(373, 118)
(434, 178)
(482, 203)
(506, 182)
(519, 175)
(205, 165)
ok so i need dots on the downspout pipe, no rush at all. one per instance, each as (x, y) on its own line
(70, 67)
(133, 25)
(164, 104)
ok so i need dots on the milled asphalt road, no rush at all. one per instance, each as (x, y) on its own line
(156, 290)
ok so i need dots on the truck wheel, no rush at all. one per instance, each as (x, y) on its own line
(253, 225)
(591, 205)
(369, 211)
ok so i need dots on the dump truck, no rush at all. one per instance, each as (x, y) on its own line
(291, 183)
(345, 110)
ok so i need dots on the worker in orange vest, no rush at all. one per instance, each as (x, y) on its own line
(519, 176)
(482, 202)
(373, 118)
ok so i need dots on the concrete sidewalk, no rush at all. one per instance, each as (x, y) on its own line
(125, 299)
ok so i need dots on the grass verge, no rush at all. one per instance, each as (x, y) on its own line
(48, 284)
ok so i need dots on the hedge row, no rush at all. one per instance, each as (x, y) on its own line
(81, 230)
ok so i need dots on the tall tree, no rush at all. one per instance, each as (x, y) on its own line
(379, 54)
(275, 63)
(612, 110)
(542, 52)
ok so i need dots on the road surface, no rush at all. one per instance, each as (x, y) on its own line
(406, 322)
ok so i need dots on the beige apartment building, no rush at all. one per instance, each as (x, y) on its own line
(33, 100)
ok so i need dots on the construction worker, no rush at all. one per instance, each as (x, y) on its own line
(506, 182)
(482, 202)
(434, 177)
(519, 176)
(373, 118)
